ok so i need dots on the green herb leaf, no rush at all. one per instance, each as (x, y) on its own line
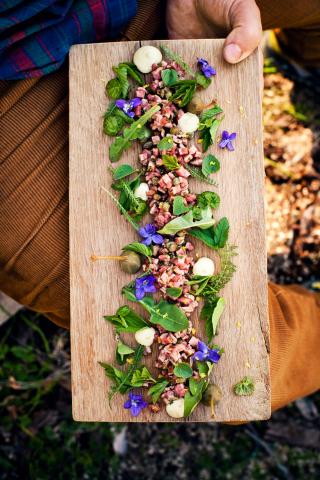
(185, 222)
(130, 133)
(221, 232)
(191, 401)
(197, 173)
(179, 206)
(165, 143)
(170, 55)
(122, 209)
(174, 292)
(169, 76)
(213, 319)
(206, 236)
(210, 164)
(114, 88)
(140, 377)
(227, 269)
(206, 199)
(126, 320)
(122, 75)
(183, 370)
(157, 389)
(246, 386)
(125, 383)
(202, 80)
(170, 162)
(122, 171)
(123, 351)
(139, 248)
(210, 113)
(213, 129)
(184, 91)
(112, 125)
(133, 72)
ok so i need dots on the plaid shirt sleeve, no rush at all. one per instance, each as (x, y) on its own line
(35, 36)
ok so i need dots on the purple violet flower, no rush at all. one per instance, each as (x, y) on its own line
(206, 69)
(145, 285)
(150, 235)
(226, 140)
(205, 353)
(135, 404)
(128, 105)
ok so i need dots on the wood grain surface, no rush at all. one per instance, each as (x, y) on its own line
(96, 227)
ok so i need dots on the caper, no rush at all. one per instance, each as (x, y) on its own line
(132, 262)
(172, 246)
(176, 181)
(148, 145)
(212, 396)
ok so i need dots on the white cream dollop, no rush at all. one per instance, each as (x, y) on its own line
(188, 122)
(145, 57)
(145, 336)
(141, 191)
(175, 409)
(204, 267)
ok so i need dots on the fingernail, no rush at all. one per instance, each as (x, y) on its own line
(232, 53)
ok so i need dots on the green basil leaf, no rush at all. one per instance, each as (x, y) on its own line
(114, 88)
(122, 171)
(174, 292)
(179, 206)
(165, 143)
(183, 370)
(169, 76)
(157, 389)
(170, 162)
(210, 164)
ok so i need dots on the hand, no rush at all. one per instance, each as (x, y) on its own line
(215, 19)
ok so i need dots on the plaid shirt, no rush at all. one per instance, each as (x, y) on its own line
(36, 35)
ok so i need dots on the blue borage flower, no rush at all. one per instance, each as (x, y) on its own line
(205, 353)
(150, 235)
(143, 285)
(135, 404)
(226, 140)
(127, 106)
(206, 69)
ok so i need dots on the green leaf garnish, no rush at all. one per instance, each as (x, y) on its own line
(165, 143)
(114, 88)
(122, 171)
(123, 351)
(170, 162)
(140, 377)
(169, 76)
(179, 206)
(197, 173)
(139, 248)
(174, 292)
(129, 134)
(202, 80)
(212, 317)
(126, 320)
(183, 370)
(221, 232)
(246, 386)
(208, 199)
(170, 55)
(186, 221)
(210, 164)
(157, 389)
(191, 401)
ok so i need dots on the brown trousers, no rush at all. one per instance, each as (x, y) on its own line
(34, 206)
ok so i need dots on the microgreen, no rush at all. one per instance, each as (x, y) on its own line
(246, 386)
(179, 207)
(140, 377)
(126, 320)
(157, 389)
(210, 164)
(122, 352)
(183, 370)
(170, 162)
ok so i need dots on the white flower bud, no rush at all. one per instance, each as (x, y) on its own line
(145, 57)
(145, 336)
(141, 191)
(204, 267)
(188, 123)
(175, 409)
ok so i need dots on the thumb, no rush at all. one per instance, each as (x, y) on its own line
(245, 20)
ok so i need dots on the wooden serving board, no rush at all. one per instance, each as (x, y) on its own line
(96, 227)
